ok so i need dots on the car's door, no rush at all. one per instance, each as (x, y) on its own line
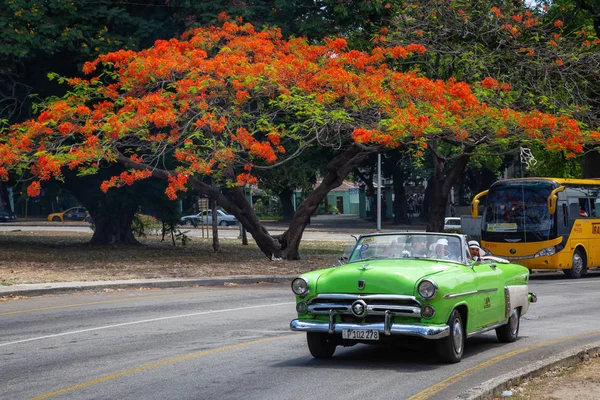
(80, 214)
(490, 293)
(69, 215)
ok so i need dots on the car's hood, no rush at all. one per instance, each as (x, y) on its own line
(379, 276)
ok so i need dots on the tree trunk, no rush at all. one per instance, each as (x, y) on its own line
(285, 196)
(112, 213)
(215, 224)
(338, 169)
(441, 186)
(591, 161)
(239, 206)
(112, 226)
(400, 208)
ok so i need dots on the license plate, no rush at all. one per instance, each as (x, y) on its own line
(360, 334)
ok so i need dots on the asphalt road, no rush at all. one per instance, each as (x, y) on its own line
(234, 343)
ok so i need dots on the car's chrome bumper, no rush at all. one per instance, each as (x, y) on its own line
(424, 331)
(532, 297)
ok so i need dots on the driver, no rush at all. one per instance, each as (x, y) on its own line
(476, 251)
(419, 246)
(395, 249)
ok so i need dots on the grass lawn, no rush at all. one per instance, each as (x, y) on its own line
(35, 257)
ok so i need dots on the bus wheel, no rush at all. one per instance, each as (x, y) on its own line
(578, 267)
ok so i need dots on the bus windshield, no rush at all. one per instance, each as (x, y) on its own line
(518, 210)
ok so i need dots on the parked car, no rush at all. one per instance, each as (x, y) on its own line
(72, 214)
(392, 286)
(7, 216)
(205, 217)
(452, 224)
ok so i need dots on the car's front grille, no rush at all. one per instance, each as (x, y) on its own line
(376, 305)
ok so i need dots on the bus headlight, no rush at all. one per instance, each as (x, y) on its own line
(548, 251)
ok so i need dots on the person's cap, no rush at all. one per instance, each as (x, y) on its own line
(443, 242)
(474, 243)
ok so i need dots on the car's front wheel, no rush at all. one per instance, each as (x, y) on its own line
(223, 223)
(510, 332)
(56, 219)
(320, 345)
(450, 349)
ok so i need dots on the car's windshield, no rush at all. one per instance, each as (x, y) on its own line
(416, 246)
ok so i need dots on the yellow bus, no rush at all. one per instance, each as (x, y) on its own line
(543, 223)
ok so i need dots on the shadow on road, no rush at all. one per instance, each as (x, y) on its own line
(411, 355)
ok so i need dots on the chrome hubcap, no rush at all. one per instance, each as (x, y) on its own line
(457, 335)
(514, 322)
(577, 263)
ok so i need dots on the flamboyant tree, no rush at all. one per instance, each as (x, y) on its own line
(208, 110)
(521, 55)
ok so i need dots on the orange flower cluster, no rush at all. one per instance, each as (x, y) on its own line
(125, 178)
(220, 98)
(493, 84)
(176, 183)
(246, 179)
(34, 189)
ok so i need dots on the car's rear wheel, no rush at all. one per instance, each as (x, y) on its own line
(56, 219)
(510, 332)
(320, 345)
(450, 349)
(223, 223)
(578, 265)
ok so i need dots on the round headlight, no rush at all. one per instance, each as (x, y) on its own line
(302, 308)
(427, 311)
(299, 286)
(427, 289)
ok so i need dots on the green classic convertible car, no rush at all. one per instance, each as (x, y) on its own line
(410, 284)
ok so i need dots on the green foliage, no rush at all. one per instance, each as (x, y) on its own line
(557, 165)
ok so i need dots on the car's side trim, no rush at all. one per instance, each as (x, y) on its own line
(455, 295)
(490, 290)
(424, 331)
(485, 329)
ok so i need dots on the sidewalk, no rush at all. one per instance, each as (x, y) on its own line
(40, 289)
(342, 223)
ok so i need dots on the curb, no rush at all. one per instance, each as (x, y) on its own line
(74, 287)
(494, 387)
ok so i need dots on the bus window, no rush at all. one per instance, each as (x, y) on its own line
(584, 208)
(595, 203)
(563, 215)
(574, 209)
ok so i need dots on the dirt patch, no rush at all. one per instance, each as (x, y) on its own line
(36, 257)
(579, 382)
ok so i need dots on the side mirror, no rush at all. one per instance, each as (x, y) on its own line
(553, 198)
(343, 260)
(475, 203)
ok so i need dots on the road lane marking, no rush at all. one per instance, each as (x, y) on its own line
(157, 364)
(438, 387)
(98, 328)
(118, 301)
